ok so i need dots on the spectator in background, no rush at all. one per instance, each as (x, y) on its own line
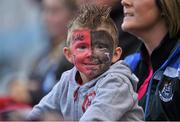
(157, 63)
(49, 67)
(129, 43)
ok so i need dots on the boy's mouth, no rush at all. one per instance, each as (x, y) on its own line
(91, 65)
(92, 61)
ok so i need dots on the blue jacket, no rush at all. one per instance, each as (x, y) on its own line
(163, 102)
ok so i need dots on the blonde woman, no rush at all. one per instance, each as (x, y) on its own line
(157, 64)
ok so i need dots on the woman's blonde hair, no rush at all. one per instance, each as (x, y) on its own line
(170, 11)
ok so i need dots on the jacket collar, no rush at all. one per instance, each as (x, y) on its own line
(161, 53)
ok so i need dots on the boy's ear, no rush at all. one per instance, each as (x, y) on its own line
(117, 54)
(68, 54)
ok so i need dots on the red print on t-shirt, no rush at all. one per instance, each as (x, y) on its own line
(87, 100)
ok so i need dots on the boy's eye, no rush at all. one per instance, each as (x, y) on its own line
(101, 46)
(82, 47)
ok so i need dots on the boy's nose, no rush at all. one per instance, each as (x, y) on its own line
(89, 52)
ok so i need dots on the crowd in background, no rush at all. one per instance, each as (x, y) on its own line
(32, 37)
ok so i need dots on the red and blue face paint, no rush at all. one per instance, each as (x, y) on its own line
(92, 51)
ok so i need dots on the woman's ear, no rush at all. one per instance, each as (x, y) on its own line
(68, 54)
(117, 54)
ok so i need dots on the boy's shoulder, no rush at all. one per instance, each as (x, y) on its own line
(118, 73)
(68, 75)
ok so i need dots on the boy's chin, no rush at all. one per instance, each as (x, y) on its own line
(93, 75)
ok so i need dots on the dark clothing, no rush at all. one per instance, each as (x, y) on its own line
(158, 57)
(161, 99)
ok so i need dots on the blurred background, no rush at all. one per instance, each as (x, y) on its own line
(22, 38)
(32, 37)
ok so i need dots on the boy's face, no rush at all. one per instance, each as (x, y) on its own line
(91, 52)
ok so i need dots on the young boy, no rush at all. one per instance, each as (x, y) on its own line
(96, 88)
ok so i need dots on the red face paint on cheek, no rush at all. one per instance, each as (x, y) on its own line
(81, 50)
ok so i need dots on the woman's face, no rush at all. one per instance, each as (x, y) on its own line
(140, 15)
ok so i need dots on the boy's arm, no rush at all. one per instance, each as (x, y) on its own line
(114, 99)
(48, 105)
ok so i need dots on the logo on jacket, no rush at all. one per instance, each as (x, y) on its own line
(87, 100)
(166, 94)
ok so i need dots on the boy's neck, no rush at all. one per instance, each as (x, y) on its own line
(78, 79)
(81, 79)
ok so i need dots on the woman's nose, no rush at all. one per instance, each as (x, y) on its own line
(126, 3)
